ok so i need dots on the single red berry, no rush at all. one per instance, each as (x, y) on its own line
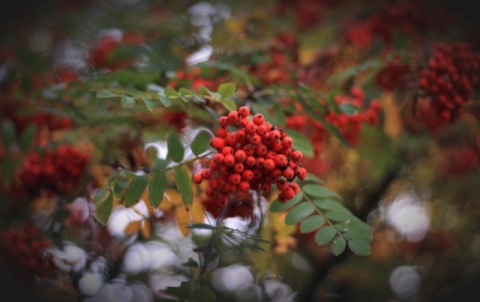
(227, 150)
(242, 123)
(255, 140)
(240, 155)
(281, 160)
(282, 184)
(231, 139)
(244, 186)
(222, 132)
(269, 164)
(258, 119)
(233, 117)
(244, 111)
(206, 173)
(251, 128)
(229, 160)
(241, 135)
(297, 155)
(217, 143)
(223, 121)
(234, 178)
(218, 158)
(238, 167)
(288, 173)
(250, 161)
(247, 175)
(197, 178)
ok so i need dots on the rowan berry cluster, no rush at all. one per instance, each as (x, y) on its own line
(253, 157)
(24, 253)
(349, 125)
(56, 171)
(449, 79)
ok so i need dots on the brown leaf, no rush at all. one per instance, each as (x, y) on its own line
(146, 230)
(133, 227)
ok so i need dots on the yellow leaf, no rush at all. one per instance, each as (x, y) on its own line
(393, 125)
(146, 230)
(133, 227)
(171, 200)
(182, 214)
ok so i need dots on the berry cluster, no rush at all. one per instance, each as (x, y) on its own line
(408, 17)
(56, 171)
(281, 58)
(449, 79)
(241, 205)
(253, 157)
(24, 253)
(348, 124)
(196, 77)
(392, 76)
(103, 53)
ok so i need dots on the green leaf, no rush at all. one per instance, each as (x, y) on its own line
(312, 178)
(227, 90)
(348, 109)
(165, 100)
(157, 185)
(330, 205)
(338, 245)
(149, 103)
(311, 223)
(135, 189)
(176, 151)
(172, 94)
(119, 188)
(128, 102)
(184, 184)
(325, 234)
(100, 195)
(277, 206)
(339, 215)
(8, 133)
(301, 143)
(27, 136)
(279, 116)
(229, 104)
(7, 166)
(359, 247)
(319, 191)
(104, 93)
(104, 209)
(355, 231)
(201, 143)
(299, 212)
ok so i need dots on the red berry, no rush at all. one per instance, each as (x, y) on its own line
(229, 160)
(244, 186)
(223, 121)
(258, 119)
(198, 178)
(233, 117)
(244, 111)
(206, 173)
(240, 155)
(247, 175)
(269, 164)
(217, 143)
(297, 155)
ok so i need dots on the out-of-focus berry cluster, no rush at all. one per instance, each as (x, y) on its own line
(23, 253)
(56, 171)
(449, 79)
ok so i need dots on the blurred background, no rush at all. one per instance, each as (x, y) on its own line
(410, 172)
